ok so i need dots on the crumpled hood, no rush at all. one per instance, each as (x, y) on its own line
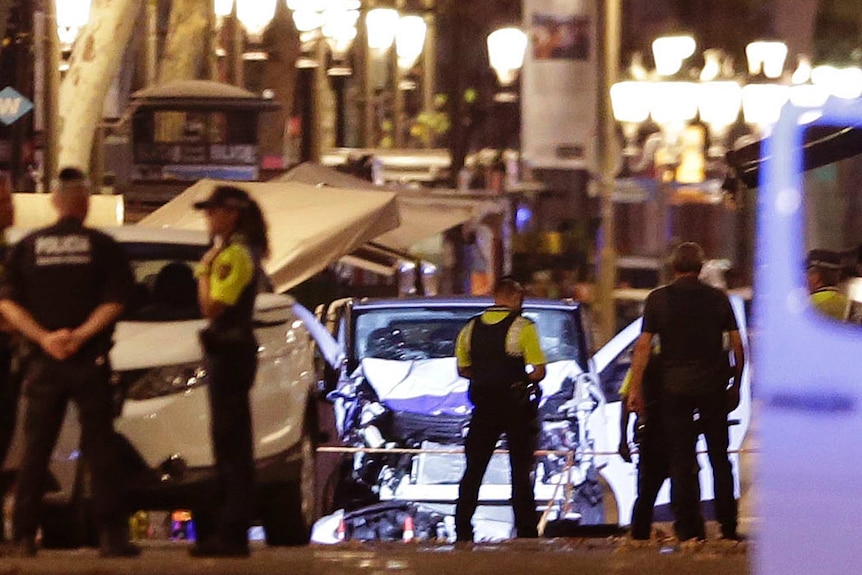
(139, 345)
(433, 387)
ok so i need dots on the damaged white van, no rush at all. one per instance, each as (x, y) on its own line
(402, 411)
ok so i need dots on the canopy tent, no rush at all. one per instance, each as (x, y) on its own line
(424, 212)
(309, 227)
(821, 145)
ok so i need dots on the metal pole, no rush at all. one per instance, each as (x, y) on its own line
(237, 49)
(398, 101)
(429, 63)
(52, 91)
(317, 88)
(609, 29)
(368, 139)
(152, 42)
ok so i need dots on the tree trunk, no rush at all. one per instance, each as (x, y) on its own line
(185, 56)
(186, 44)
(281, 42)
(95, 61)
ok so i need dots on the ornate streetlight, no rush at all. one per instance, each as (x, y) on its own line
(255, 15)
(671, 98)
(506, 49)
(72, 16)
(409, 43)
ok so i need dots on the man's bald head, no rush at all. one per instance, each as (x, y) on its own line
(71, 196)
(509, 293)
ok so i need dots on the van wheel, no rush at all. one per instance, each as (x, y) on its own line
(288, 512)
(595, 501)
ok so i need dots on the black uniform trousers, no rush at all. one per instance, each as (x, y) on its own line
(231, 371)
(489, 421)
(653, 469)
(682, 432)
(49, 386)
(9, 388)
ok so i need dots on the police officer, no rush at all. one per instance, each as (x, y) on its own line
(227, 285)
(493, 351)
(64, 289)
(823, 274)
(691, 318)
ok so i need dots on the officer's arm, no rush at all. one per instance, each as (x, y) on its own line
(462, 352)
(538, 373)
(21, 319)
(210, 308)
(229, 274)
(623, 448)
(103, 317)
(738, 364)
(639, 362)
(533, 354)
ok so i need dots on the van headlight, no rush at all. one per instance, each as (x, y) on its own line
(159, 381)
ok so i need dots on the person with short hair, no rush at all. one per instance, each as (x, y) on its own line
(228, 277)
(691, 318)
(64, 290)
(493, 351)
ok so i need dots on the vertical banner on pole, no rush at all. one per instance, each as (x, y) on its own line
(559, 84)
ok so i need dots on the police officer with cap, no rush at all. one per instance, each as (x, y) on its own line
(65, 287)
(228, 277)
(493, 351)
(823, 269)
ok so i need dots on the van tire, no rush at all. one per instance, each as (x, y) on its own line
(288, 510)
(596, 503)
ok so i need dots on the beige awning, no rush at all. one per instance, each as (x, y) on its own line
(309, 227)
(423, 215)
(424, 212)
(36, 210)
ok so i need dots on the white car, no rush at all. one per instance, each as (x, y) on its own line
(163, 425)
(399, 390)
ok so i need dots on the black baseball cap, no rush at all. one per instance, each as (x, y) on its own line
(225, 197)
(826, 259)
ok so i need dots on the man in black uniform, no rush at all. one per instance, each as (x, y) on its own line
(64, 289)
(691, 319)
(493, 352)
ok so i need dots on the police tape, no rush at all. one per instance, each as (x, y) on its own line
(460, 451)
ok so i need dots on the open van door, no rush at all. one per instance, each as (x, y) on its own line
(808, 365)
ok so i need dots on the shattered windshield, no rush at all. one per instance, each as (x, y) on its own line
(406, 334)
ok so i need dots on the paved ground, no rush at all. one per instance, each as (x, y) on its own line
(609, 556)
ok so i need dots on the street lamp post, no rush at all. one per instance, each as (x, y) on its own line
(673, 101)
(380, 25)
(608, 72)
(409, 43)
(506, 49)
(63, 20)
(234, 16)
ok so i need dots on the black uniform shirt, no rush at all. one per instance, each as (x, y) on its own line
(61, 273)
(691, 318)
